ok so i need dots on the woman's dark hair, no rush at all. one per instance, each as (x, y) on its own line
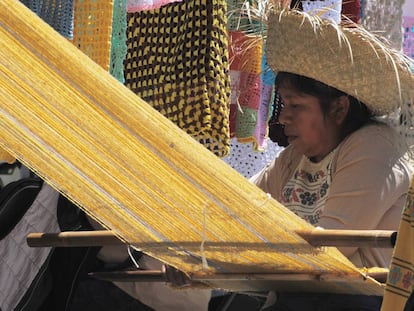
(358, 113)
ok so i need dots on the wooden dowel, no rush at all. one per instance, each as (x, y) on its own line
(355, 238)
(73, 239)
(338, 238)
(131, 276)
(159, 276)
(380, 276)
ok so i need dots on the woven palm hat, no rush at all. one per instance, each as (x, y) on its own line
(347, 58)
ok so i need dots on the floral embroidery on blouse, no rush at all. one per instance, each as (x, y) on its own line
(306, 191)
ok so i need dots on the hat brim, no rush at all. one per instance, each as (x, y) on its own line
(348, 58)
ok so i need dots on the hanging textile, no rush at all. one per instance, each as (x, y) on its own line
(93, 25)
(248, 162)
(131, 169)
(57, 13)
(384, 17)
(141, 5)
(118, 40)
(177, 61)
(351, 9)
(251, 78)
(408, 29)
(93, 30)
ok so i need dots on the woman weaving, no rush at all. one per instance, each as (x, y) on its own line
(343, 169)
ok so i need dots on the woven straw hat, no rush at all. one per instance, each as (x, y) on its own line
(348, 58)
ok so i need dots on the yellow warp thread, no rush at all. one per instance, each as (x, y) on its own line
(6, 156)
(136, 172)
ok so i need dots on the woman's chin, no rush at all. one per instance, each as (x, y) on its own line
(291, 139)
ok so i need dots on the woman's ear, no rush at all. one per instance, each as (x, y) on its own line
(341, 109)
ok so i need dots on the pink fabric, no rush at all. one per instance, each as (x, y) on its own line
(408, 44)
(251, 90)
(141, 5)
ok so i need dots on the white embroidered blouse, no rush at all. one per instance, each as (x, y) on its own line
(306, 191)
(366, 181)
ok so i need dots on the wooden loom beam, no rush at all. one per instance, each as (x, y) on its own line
(337, 238)
(356, 238)
(159, 276)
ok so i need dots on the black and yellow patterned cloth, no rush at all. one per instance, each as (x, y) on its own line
(177, 61)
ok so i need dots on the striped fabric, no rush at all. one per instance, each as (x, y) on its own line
(400, 282)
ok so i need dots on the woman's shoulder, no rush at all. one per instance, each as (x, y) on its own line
(378, 139)
(374, 127)
(376, 133)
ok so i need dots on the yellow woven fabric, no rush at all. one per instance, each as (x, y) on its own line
(92, 29)
(177, 61)
(140, 175)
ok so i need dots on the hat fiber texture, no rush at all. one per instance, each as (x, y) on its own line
(350, 59)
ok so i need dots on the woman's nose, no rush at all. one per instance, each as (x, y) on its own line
(285, 116)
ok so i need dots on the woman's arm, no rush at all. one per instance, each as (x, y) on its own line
(273, 177)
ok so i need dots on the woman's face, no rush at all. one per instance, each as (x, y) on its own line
(307, 128)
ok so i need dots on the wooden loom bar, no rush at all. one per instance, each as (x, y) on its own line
(73, 239)
(160, 276)
(338, 238)
(356, 238)
(361, 238)
(131, 276)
